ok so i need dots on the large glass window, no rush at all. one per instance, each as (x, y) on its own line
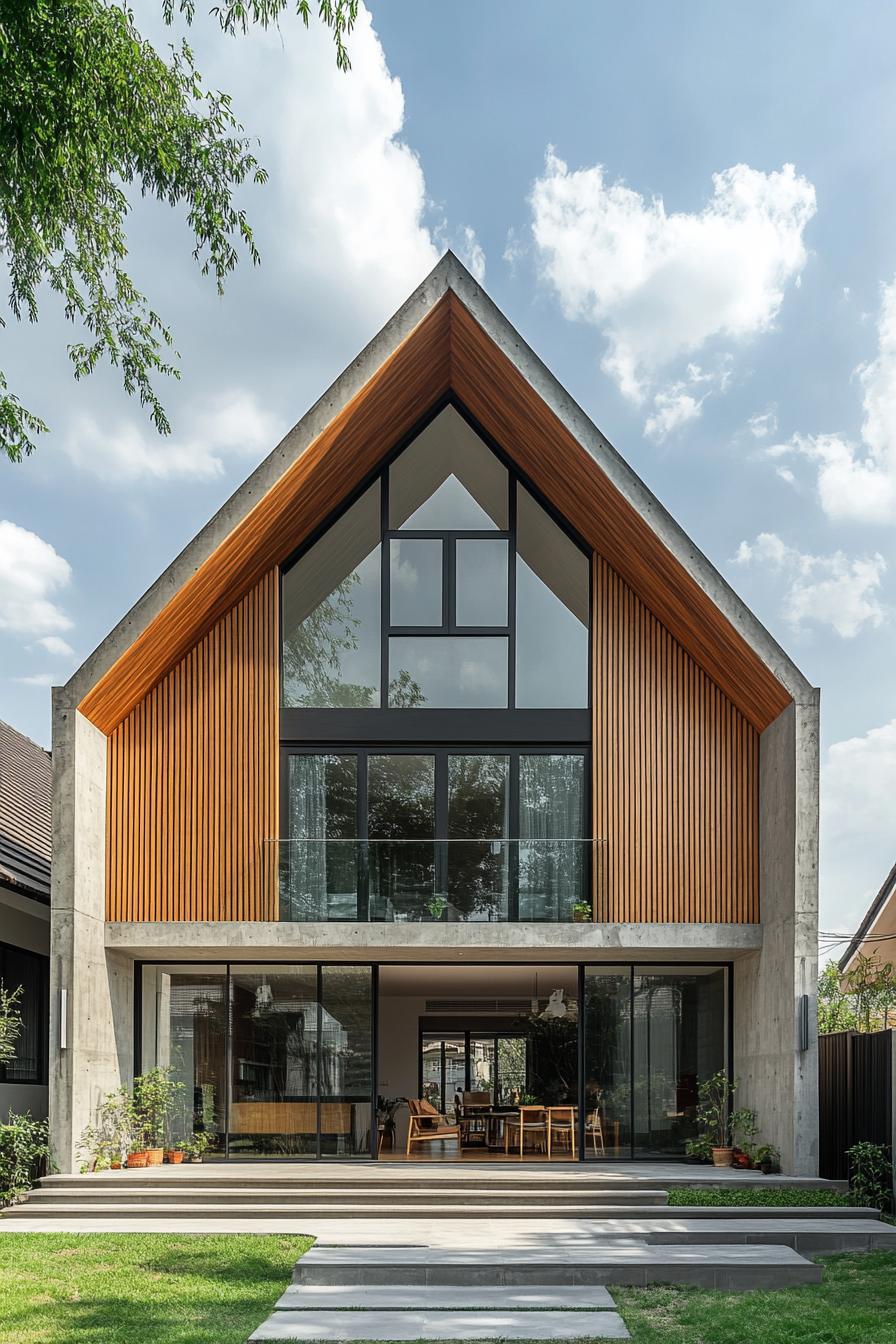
(608, 1061)
(30, 972)
(435, 834)
(184, 1023)
(446, 586)
(331, 615)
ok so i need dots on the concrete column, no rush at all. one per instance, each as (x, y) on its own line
(97, 988)
(779, 1081)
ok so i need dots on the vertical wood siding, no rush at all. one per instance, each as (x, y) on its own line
(192, 779)
(676, 769)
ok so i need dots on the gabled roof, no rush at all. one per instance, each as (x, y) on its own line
(25, 827)
(447, 341)
(881, 919)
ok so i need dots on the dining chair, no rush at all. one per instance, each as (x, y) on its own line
(532, 1121)
(563, 1121)
(594, 1128)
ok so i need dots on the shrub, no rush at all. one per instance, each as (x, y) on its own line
(24, 1155)
(789, 1196)
(870, 1176)
(154, 1095)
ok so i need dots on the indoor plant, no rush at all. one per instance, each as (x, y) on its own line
(581, 912)
(386, 1109)
(154, 1096)
(713, 1114)
(698, 1149)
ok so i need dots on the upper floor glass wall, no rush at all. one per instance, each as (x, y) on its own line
(446, 585)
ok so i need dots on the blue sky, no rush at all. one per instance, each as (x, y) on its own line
(620, 180)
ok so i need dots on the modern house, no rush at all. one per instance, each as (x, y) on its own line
(25, 835)
(875, 937)
(440, 761)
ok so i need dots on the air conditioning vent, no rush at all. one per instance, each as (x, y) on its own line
(478, 1005)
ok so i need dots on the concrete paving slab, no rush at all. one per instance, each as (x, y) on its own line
(440, 1325)
(389, 1297)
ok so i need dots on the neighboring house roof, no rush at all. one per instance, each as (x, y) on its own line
(25, 821)
(878, 927)
(447, 341)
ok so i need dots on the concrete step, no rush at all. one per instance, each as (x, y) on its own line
(731, 1268)
(173, 1192)
(249, 1209)
(379, 1297)
(440, 1325)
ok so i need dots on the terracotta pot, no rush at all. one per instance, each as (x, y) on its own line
(174, 1155)
(722, 1157)
(115, 1166)
(742, 1161)
(137, 1159)
(154, 1157)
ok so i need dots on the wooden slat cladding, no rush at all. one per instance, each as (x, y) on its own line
(446, 351)
(676, 775)
(192, 779)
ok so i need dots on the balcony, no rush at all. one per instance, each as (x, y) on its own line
(438, 881)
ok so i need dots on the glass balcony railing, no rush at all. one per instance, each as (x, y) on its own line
(438, 881)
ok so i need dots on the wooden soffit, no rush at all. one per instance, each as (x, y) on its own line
(448, 352)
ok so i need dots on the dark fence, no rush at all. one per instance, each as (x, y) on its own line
(855, 1095)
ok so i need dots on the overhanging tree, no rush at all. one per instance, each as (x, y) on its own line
(90, 111)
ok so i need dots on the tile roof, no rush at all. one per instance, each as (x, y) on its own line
(25, 828)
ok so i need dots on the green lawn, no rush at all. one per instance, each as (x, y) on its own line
(133, 1289)
(855, 1304)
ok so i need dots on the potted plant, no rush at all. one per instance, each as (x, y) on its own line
(154, 1095)
(768, 1159)
(582, 912)
(698, 1149)
(137, 1157)
(194, 1148)
(105, 1144)
(174, 1155)
(437, 907)
(743, 1128)
(713, 1114)
(386, 1109)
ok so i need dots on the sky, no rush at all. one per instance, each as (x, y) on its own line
(688, 212)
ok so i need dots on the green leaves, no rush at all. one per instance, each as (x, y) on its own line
(90, 111)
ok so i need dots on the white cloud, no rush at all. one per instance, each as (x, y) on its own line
(39, 679)
(858, 785)
(829, 590)
(673, 408)
(353, 190)
(661, 286)
(59, 648)
(472, 254)
(763, 424)
(857, 481)
(234, 425)
(31, 574)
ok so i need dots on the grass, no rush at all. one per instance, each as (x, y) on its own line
(854, 1304)
(734, 1196)
(132, 1289)
(135, 1289)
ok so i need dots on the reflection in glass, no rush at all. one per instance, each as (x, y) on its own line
(415, 593)
(401, 808)
(512, 1072)
(184, 1029)
(447, 479)
(608, 1072)
(443, 1069)
(552, 595)
(331, 614)
(346, 1060)
(478, 812)
(680, 1041)
(320, 880)
(481, 581)
(274, 1047)
(450, 672)
(552, 859)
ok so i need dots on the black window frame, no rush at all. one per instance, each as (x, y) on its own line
(503, 724)
(42, 986)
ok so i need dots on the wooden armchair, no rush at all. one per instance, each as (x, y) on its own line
(427, 1125)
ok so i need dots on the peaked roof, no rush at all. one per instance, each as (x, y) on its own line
(25, 828)
(884, 904)
(448, 340)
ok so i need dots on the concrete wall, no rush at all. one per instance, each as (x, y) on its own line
(98, 1054)
(399, 1025)
(776, 1079)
